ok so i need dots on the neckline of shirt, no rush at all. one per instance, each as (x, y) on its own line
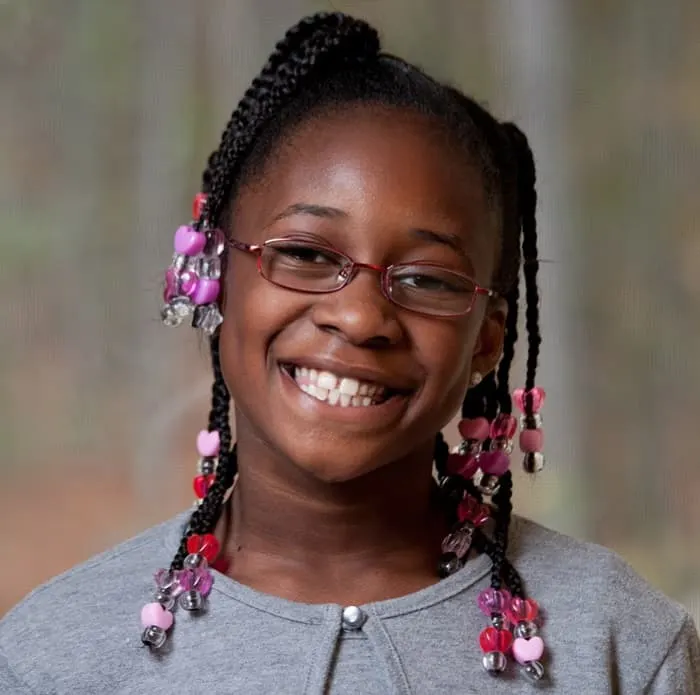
(314, 613)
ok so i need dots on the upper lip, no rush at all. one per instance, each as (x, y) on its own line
(353, 371)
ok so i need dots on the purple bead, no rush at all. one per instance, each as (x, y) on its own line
(206, 292)
(170, 289)
(188, 241)
(493, 601)
(198, 579)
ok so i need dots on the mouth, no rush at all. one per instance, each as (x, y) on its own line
(338, 390)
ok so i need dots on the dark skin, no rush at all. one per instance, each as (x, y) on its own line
(334, 507)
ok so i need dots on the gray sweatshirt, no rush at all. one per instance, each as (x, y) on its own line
(605, 630)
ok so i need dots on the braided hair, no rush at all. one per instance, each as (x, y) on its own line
(330, 60)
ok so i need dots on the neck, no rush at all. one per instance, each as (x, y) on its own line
(366, 539)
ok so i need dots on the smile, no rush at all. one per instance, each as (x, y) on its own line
(336, 389)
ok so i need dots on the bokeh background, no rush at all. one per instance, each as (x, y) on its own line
(107, 113)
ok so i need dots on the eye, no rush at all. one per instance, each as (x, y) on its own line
(433, 281)
(305, 255)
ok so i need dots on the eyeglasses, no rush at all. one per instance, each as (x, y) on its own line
(303, 266)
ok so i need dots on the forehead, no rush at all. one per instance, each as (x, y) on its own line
(387, 168)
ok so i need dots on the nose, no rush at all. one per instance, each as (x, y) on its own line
(359, 312)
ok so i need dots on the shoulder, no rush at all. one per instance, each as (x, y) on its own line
(595, 605)
(57, 625)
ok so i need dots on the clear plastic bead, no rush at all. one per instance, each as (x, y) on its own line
(533, 462)
(207, 465)
(164, 598)
(498, 621)
(208, 318)
(154, 636)
(531, 422)
(191, 600)
(488, 484)
(179, 261)
(533, 671)
(449, 564)
(216, 242)
(210, 268)
(494, 662)
(176, 311)
(526, 630)
(502, 444)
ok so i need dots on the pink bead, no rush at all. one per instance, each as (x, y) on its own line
(206, 292)
(208, 443)
(198, 579)
(153, 614)
(188, 241)
(171, 288)
(493, 601)
(494, 462)
(474, 428)
(463, 465)
(458, 542)
(526, 650)
(472, 511)
(504, 426)
(198, 204)
(188, 282)
(522, 610)
(531, 440)
(537, 394)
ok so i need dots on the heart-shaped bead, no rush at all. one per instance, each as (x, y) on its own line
(208, 443)
(153, 614)
(206, 291)
(525, 650)
(522, 609)
(493, 601)
(188, 241)
(504, 426)
(206, 545)
(474, 428)
(494, 462)
(472, 511)
(492, 639)
(463, 465)
(201, 485)
(537, 394)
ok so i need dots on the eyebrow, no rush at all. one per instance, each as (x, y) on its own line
(453, 241)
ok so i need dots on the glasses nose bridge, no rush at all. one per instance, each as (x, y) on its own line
(354, 267)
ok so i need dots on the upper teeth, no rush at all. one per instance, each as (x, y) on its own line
(336, 390)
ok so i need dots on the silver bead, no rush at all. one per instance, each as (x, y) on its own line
(164, 598)
(494, 662)
(526, 630)
(179, 261)
(531, 422)
(533, 671)
(176, 311)
(207, 465)
(154, 636)
(191, 600)
(488, 484)
(533, 462)
(194, 560)
(498, 621)
(449, 564)
(208, 318)
(353, 618)
(502, 444)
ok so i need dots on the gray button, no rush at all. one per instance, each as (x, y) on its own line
(353, 618)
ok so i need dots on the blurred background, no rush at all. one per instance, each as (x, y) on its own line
(108, 112)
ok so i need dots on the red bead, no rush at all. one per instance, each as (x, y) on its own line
(206, 545)
(198, 205)
(201, 485)
(463, 465)
(492, 639)
(522, 609)
(472, 511)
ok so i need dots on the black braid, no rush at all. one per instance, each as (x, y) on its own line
(206, 516)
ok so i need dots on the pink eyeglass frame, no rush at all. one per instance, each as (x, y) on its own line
(354, 266)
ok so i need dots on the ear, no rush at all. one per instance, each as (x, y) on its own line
(489, 343)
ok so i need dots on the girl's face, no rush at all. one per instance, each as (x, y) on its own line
(383, 186)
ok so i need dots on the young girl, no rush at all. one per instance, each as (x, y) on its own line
(354, 258)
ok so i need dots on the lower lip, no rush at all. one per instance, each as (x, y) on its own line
(370, 417)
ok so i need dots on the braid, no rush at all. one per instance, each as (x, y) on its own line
(206, 516)
(309, 50)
